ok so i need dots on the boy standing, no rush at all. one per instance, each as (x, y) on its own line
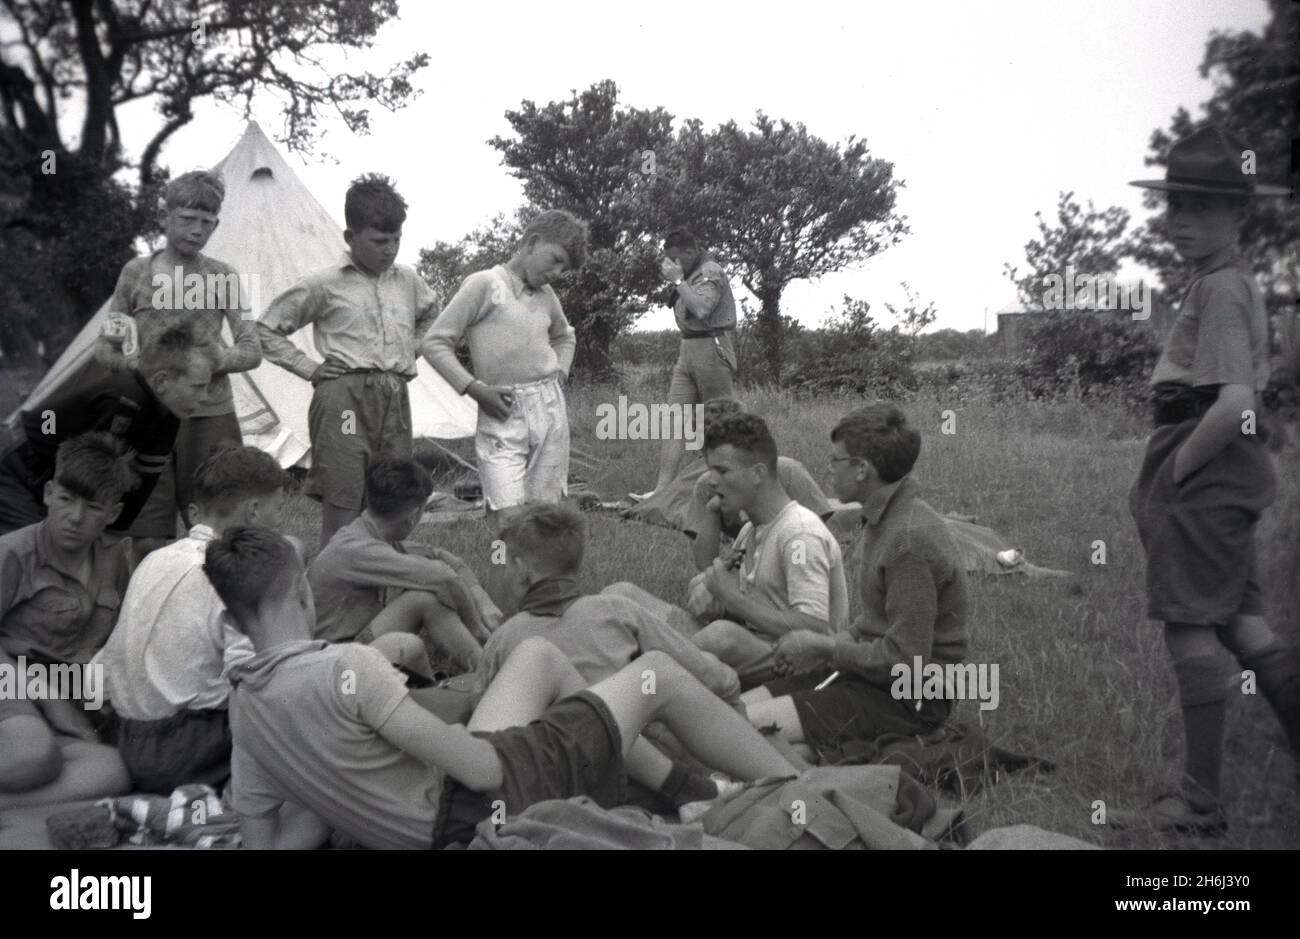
(369, 314)
(178, 280)
(914, 603)
(332, 727)
(368, 581)
(521, 347)
(143, 406)
(61, 585)
(164, 664)
(1207, 477)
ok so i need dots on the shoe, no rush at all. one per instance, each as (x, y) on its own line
(1171, 812)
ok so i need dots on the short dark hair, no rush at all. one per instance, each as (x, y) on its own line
(171, 347)
(95, 466)
(743, 431)
(373, 202)
(549, 536)
(880, 434)
(395, 485)
(233, 474)
(562, 228)
(717, 408)
(681, 238)
(246, 565)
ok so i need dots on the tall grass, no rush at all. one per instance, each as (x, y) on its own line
(1085, 681)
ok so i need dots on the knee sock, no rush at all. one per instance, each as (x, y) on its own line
(1203, 699)
(683, 786)
(1277, 669)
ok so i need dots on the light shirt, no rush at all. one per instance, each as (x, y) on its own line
(174, 640)
(794, 563)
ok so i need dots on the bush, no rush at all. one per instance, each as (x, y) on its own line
(1086, 354)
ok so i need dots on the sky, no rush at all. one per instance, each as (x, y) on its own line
(987, 112)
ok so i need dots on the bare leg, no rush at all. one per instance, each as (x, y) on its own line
(534, 677)
(332, 518)
(777, 712)
(655, 687)
(418, 610)
(82, 770)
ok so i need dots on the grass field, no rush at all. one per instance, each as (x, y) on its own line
(1085, 681)
(1084, 678)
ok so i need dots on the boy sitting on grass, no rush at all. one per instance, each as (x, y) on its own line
(332, 727)
(600, 633)
(61, 584)
(368, 581)
(164, 663)
(914, 604)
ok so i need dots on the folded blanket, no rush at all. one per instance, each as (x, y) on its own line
(192, 816)
(580, 824)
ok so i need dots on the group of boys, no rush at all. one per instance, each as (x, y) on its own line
(227, 655)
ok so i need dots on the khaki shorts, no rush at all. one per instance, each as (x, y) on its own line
(354, 420)
(525, 458)
(700, 374)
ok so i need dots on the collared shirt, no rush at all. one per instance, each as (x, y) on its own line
(601, 633)
(358, 572)
(209, 293)
(913, 588)
(797, 482)
(1220, 336)
(120, 403)
(305, 718)
(712, 307)
(46, 610)
(363, 321)
(174, 640)
(794, 563)
(516, 335)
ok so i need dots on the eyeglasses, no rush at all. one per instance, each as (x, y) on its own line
(843, 459)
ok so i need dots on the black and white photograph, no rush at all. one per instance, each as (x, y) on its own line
(695, 427)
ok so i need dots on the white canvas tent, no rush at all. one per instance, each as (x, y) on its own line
(274, 229)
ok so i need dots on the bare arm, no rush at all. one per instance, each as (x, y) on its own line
(470, 760)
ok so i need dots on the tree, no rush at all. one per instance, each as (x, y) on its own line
(596, 160)
(778, 204)
(1257, 82)
(1085, 242)
(446, 265)
(106, 53)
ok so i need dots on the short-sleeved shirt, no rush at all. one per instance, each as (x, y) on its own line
(208, 293)
(599, 634)
(174, 639)
(913, 588)
(120, 403)
(710, 281)
(358, 573)
(363, 321)
(794, 563)
(516, 335)
(1220, 336)
(795, 480)
(45, 611)
(305, 719)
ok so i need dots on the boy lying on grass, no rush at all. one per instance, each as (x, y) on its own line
(333, 728)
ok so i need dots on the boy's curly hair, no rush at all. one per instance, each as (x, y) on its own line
(373, 202)
(561, 228)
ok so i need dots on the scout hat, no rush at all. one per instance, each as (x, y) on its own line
(1209, 161)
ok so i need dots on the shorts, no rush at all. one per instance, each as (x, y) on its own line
(353, 420)
(1200, 536)
(853, 709)
(700, 373)
(574, 749)
(525, 458)
(187, 747)
(196, 440)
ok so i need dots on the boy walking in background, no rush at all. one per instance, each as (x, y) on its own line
(521, 347)
(156, 289)
(1207, 477)
(164, 664)
(369, 314)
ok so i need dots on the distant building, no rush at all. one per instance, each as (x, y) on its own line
(1014, 317)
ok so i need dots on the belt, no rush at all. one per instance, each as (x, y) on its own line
(707, 334)
(1173, 405)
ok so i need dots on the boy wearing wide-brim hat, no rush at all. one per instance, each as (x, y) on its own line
(1207, 476)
